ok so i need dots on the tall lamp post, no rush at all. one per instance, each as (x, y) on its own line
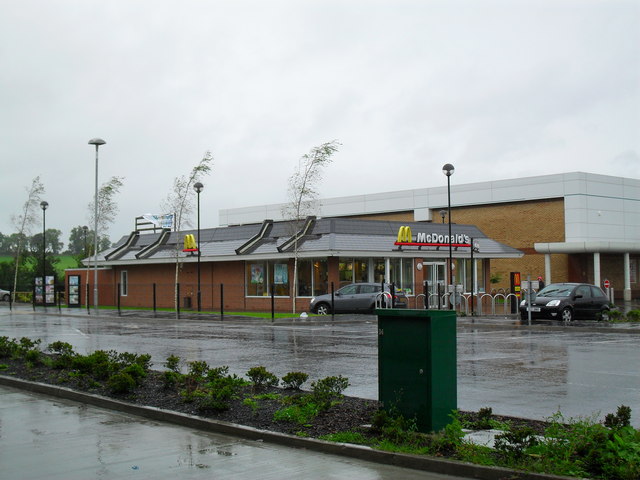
(443, 213)
(448, 169)
(198, 188)
(44, 206)
(86, 254)
(97, 142)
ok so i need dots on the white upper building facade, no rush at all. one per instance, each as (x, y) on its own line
(598, 208)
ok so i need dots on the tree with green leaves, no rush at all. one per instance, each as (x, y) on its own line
(303, 195)
(180, 203)
(24, 221)
(107, 210)
(52, 238)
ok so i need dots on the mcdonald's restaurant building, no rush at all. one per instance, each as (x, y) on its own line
(565, 227)
(242, 265)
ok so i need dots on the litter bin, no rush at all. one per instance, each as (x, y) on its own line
(417, 375)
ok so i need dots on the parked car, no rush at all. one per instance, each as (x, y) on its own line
(5, 295)
(568, 301)
(357, 297)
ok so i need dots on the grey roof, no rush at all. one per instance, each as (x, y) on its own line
(327, 237)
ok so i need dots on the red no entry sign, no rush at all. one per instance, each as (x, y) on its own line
(607, 284)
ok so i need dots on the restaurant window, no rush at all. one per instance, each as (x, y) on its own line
(345, 272)
(312, 277)
(379, 270)
(360, 271)
(261, 276)
(124, 283)
(401, 273)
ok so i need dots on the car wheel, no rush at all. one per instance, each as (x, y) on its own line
(567, 314)
(5, 297)
(603, 316)
(323, 309)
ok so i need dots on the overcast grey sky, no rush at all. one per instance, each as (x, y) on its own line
(500, 89)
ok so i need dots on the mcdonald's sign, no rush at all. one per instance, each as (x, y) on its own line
(430, 239)
(190, 244)
(404, 235)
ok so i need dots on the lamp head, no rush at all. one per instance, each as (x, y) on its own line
(448, 169)
(44, 205)
(96, 141)
(198, 187)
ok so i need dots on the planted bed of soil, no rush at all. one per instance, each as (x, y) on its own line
(348, 414)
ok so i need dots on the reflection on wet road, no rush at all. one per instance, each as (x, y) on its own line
(515, 371)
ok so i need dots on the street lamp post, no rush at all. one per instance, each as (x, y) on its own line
(448, 169)
(198, 188)
(85, 254)
(443, 213)
(97, 142)
(44, 205)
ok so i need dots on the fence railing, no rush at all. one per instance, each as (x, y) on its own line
(227, 297)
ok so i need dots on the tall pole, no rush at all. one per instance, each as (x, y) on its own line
(44, 206)
(448, 170)
(85, 255)
(97, 142)
(198, 188)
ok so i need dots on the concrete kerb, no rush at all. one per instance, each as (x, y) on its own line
(415, 462)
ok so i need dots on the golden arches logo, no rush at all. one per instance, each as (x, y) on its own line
(404, 234)
(190, 244)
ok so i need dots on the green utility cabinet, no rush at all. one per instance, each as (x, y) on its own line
(417, 373)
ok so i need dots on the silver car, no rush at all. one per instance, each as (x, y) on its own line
(5, 295)
(357, 297)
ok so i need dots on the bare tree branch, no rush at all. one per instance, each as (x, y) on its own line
(180, 202)
(24, 221)
(303, 195)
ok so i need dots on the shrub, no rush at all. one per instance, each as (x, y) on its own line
(24, 346)
(61, 348)
(121, 383)
(32, 357)
(633, 316)
(7, 347)
(197, 369)
(173, 363)
(294, 380)
(99, 364)
(514, 443)
(262, 378)
(217, 373)
(64, 354)
(170, 379)
(329, 389)
(622, 418)
(136, 372)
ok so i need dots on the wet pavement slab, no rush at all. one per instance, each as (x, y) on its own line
(46, 438)
(584, 369)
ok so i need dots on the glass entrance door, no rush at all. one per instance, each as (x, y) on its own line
(435, 277)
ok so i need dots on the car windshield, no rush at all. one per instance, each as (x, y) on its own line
(556, 290)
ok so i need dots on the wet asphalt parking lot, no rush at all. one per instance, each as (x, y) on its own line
(516, 370)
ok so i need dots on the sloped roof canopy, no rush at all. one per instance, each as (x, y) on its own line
(321, 238)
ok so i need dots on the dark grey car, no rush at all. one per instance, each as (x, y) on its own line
(357, 297)
(568, 301)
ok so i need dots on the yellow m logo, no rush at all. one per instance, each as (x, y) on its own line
(404, 234)
(190, 243)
